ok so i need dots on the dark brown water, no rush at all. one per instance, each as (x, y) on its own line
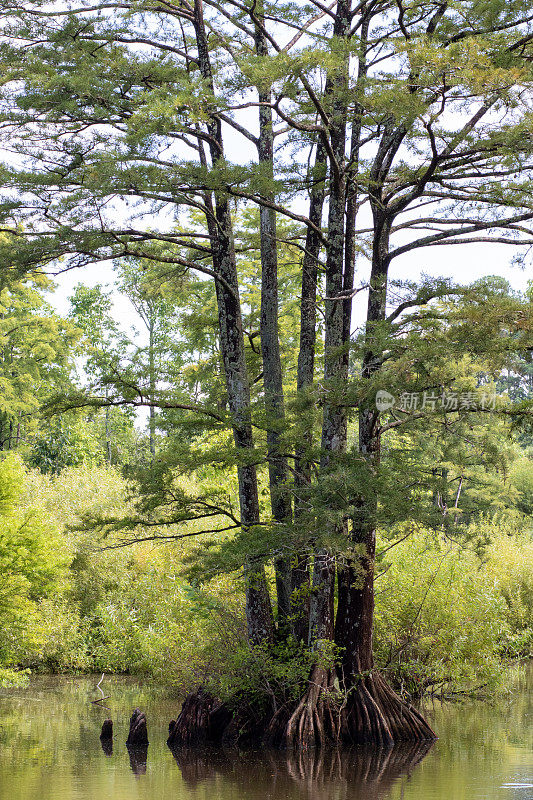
(50, 750)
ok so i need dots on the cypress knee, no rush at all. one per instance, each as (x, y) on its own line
(138, 734)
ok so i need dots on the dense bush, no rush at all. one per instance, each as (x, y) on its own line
(446, 616)
(33, 562)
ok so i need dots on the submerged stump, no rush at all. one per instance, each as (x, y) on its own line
(203, 719)
(138, 735)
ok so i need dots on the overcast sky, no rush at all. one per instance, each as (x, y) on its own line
(460, 263)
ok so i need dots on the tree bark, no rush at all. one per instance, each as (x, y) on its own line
(272, 373)
(258, 607)
(334, 420)
(151, 380)
(313, 722)
(304, 381)
(345, 571)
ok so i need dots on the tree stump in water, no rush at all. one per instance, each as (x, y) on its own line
(138, 735)
(107, 730)
(202, 720)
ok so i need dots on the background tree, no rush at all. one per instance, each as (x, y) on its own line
(35, 357)
(103, 345)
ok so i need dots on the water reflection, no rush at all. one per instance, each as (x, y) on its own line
(138, 758)
(107, 746)
(361, 772)
(50, 750)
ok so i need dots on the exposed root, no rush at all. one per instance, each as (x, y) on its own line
(366, 712)
(375, 714)
(315, 721)
(275, 733)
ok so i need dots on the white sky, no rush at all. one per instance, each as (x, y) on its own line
(460, 263)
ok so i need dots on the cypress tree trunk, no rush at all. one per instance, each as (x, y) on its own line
(373, 711)
(151, 380)
(313, 722)
(334, 421)
(258, 606)
(345, 572)
(272, 374)
(304, 381)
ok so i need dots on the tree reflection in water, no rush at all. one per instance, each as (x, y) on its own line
(138, 758)
(107, 746)
(358, 773)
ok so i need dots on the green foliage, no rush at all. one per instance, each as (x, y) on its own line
(445, 618)
(33, 561)
(35, 356)
(63, 444)
(522, 480)
(264, 677)
(11, 678)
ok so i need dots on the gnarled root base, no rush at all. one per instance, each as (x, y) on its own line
(367, 712)
(315, 721)
(375, 713)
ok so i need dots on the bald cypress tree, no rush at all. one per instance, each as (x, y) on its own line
(375, 129)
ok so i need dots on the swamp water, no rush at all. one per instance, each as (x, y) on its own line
(50, 750)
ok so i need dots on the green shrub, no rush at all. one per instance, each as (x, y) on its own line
(445, 616)
(33, 564)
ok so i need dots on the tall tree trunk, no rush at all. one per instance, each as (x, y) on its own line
(334, 420)
(313, 722)
(258, 607)
(345, 570)
(355, 619)
(151, 381)
(373, 711)
(304, 381)
(272, 374)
